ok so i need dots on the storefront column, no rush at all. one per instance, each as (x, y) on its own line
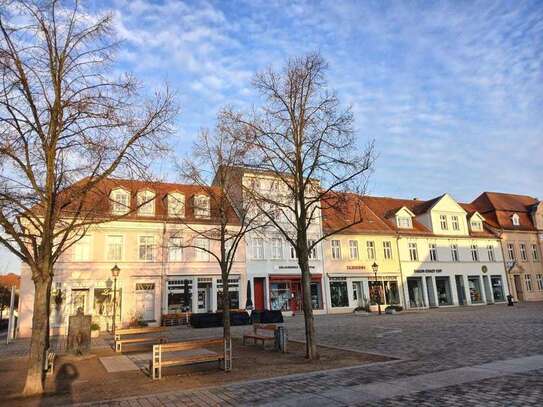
(213, 300)
(425, 292)
(466, 289)
(434, 291)
(195, 294)
(454, 290)
(483, 290)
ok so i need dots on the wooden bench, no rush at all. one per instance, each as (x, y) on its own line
(162, 359)
(132, 338)
(261, 333)
(49, 362)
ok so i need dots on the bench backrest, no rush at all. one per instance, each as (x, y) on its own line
(196, 344)
(263, 327)
(143, 330)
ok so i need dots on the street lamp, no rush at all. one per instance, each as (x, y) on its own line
(375, 268)
(115, 271)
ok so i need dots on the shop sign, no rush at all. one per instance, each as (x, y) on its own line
(356, 267)
(291, 267)
(484, 269)
(420, 271)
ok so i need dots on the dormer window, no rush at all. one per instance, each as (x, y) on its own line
(146, 203)
(476, 225)
(404, 222)
(201, 207)
(515, 219)
(176, 204)
(120, 201)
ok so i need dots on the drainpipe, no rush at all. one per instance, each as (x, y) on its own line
(507, 270)
(401, 272)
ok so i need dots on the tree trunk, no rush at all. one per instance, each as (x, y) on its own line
(311, 351)
(226, 308)
(40, 337)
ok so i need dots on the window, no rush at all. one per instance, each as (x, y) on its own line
(454, 252)
(114, 247)
(476, 225)
(370, 246)
(146, 248)
(474, 252)
(201, 206)
(233, 291)
(338, 292)
(523, 253)
(336, 249)
(535, 253)
(293, 255)
(528, 282)
(200, 251)
(497, 288)
(539, 280)
(82, 249)
(258, 248)
(120, 201)
(387, 250)
(515, 219)
(146, 203)
(176, 205)
(313, 252)
(511, 251)
(413, 253)
(433, 251)
(353, 249)
(443, 222)
(277, 248)
(455, 222)
(175, 249)
(490, 251)
(404, 222)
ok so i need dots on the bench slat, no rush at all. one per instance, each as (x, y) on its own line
(136, 331)
(170, 347)
(135, 340)
(187, 360)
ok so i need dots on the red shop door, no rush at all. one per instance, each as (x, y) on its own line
(296, 302)
(259, 293)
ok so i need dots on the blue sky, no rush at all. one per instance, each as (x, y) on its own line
(451, 92)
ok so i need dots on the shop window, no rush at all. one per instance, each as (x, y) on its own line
(475, 289)
(280, 296)
(497, 288)
(79, 300)
(233, 290)
(179, 295)
(443, 286)
(414, 289)
(316, 295)
(338, 292)
(103, 307)
(392, 293)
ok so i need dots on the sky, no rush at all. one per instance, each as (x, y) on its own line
(451, 92)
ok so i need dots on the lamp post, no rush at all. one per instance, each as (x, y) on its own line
(375, 268)
(115, 271)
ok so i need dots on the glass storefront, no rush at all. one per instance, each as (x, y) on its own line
(179, 295)
(286, 294)
(339, 295)
(414, 288)
(384, 292)
(474, 283)
(497, 288)
(444, 296)
(233, 290)
(103, 307)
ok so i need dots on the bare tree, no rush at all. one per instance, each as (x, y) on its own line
(66, 123)
(213, 154)
(304, 139)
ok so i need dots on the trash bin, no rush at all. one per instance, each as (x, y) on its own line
(281, 339)
(510, 300)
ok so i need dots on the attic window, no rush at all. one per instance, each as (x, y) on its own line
(201, 206)
(476, 225)
(515, 219)
(176, 204)
(120, 201)
(404, 222)
(146, 203)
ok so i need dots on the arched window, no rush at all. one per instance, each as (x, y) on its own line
(120, 201)
(201, 206)
(515, 219)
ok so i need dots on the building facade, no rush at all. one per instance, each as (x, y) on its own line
(158, 274)
(518, 221)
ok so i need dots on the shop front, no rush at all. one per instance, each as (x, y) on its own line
(286, 294)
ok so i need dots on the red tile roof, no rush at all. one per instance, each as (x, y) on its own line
(10, 280)
(498, 208)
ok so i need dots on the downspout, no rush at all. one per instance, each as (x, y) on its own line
(507, 269)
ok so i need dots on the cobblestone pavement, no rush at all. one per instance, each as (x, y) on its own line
(429, 341)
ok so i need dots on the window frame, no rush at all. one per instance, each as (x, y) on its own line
(455, 253)
(334, 248)
(370, 250)
(354, 253)
(148, 208)
(122, 248)
(199, 254)
(118, 208)
(443, 222)
(178, 202)
(200, 213)
(523, 252)
(432, 249)
(387, 247)
(455, 222)
(474, 249)
(77, 246)
(413, 251)
(177, 249)
(147, 246)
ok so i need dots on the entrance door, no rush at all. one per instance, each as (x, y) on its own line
(358, 294)
(204, 297)
(145, 301)
(460, 290)
(259, 294)
(518, 288)
(296, 301)
(79, 300)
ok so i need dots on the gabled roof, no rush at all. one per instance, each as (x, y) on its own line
(498, 208)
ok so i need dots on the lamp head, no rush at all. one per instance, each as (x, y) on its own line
(115, 271)
(375, 267)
